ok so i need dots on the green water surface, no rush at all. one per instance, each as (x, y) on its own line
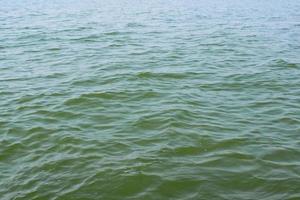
(149, 99)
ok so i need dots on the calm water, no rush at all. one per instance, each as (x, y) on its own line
(150, 99)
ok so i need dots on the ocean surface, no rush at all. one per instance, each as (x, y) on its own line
(150, 99)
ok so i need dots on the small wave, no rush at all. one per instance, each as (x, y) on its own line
(89, 38)
(55, 75)
(96, 96)
(135, 25)
(116, 33)
(284, 64)
(54, 49)
(288, 120)
(165, 75)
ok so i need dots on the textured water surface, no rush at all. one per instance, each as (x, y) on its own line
(156, 99)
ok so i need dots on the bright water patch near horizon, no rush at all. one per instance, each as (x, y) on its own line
(153, 99)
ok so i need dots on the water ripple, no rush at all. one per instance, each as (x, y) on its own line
(149, 100)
